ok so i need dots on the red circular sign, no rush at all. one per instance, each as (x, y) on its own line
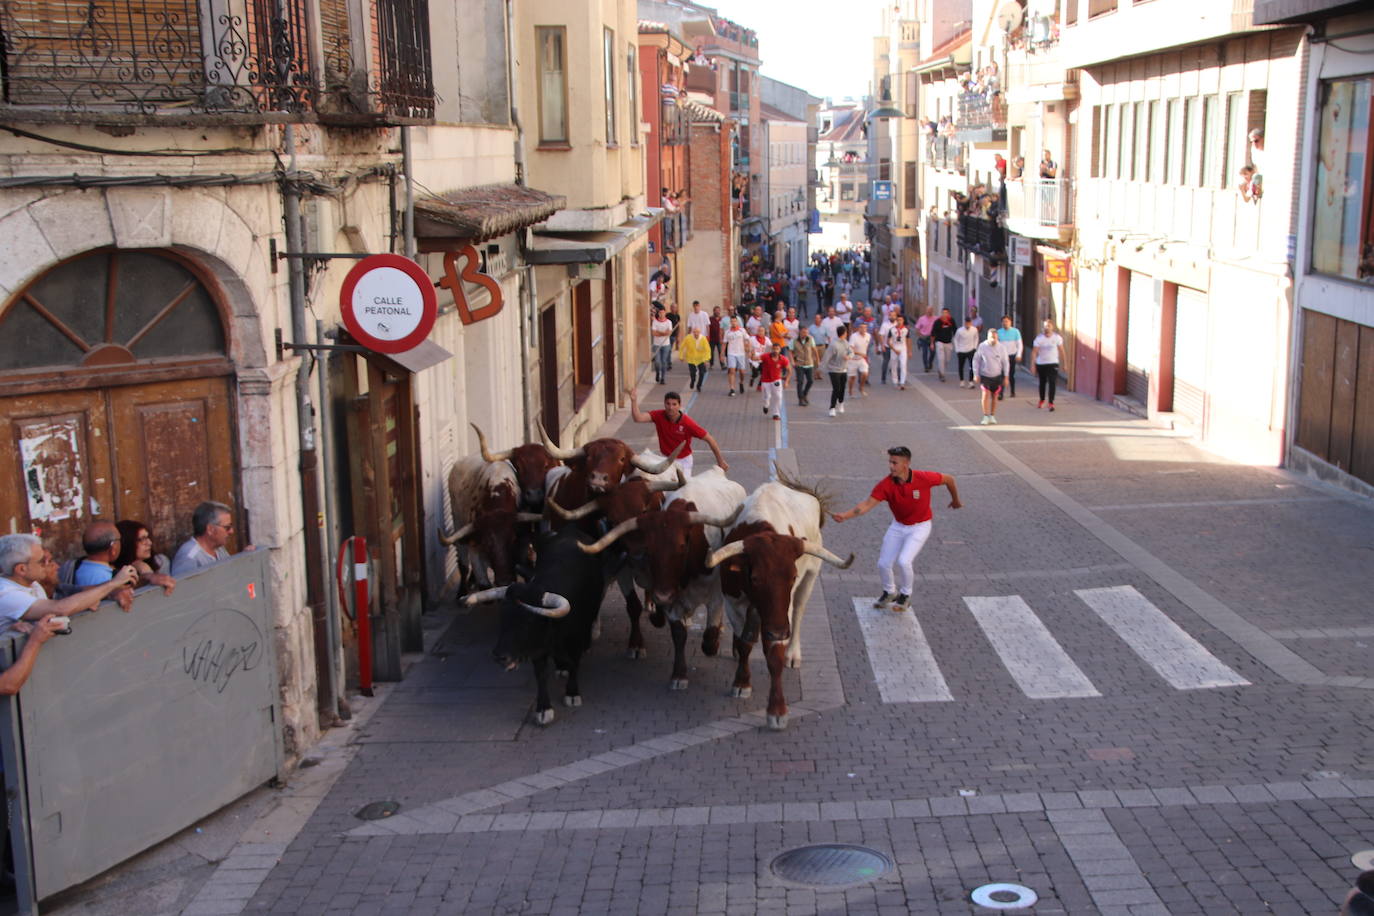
(388, 303)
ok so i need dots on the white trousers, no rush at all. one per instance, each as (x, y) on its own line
(942, 352)
(686, 464)
(771, 391)
(901, 543)
(898, 367)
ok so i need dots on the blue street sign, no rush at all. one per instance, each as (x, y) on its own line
(882, 190)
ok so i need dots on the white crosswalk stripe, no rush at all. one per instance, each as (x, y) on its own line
(1162, 644)
(905, 669)
(1038, 664)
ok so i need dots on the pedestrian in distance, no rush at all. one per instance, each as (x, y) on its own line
(736, 342)
(1049, 350)
(990, 368)
(674, 428)
(965, 343)
(758, 345)
(882, 341)
(924, 326)
(661, 339)
(804, 356)
(835, 363)
(792, 325)
(1012, 345)
(820, 331)
(696, 353)
(857, 368)
(898, 345)
(942, 335)
(774, 372)
(907, 494)
(715, 336)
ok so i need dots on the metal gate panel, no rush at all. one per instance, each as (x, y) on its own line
(1190, 353)
(138, 725)
(954, 299)
(1140, 336)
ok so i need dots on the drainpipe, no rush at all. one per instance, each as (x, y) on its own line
(528, 293)
(408, 221)
(328, 533)
(326, 689)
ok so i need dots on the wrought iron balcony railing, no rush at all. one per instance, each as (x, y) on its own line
(944, 153)
(154, 60)
(982, 236)
(981, 112)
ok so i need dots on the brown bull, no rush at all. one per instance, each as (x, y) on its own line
(532, 463)
(604, 463)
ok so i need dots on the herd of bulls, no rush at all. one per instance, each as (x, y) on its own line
(545, 530)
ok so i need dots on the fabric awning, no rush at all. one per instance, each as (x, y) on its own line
(483, 212)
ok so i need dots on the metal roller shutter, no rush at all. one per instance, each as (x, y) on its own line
(1140, 336)
(1190, 353)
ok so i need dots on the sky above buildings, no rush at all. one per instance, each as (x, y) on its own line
(823, 46)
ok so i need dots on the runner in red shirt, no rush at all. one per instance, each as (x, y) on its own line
(907, 494)
(675, 427)
(774, 369)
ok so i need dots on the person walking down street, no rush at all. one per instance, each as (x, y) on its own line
(924, 325)
(882, 341)
(820, 331)
(907, 494)
(774, 370)
(676, 321)
(696, 353)
(1049, 348)
(990, 368)
(758, 345)
(942, 334)
(736, 356)
(793, 326)
(835, 363)
(715, 336)
(857, 368)
(674, 428)
(965, 342)
(1011, 342)
(898, 344)
(777, 331)
(804, 362)
(661, 338)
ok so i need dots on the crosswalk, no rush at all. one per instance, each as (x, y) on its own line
(906, 670)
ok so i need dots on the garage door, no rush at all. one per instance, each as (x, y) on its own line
(1141, 342)
(1190, 353)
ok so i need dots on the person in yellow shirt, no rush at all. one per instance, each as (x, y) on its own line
(777, 331)
(695, 351)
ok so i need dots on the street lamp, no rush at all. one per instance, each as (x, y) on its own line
(887, 111)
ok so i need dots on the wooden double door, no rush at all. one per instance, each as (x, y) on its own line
(151, 452)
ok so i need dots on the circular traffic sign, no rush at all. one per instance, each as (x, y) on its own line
(388, 303)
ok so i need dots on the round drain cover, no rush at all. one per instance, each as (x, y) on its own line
(1003, 896)
(375, 811)
(830, 865)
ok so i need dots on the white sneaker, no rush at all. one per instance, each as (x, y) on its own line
(842, 407)
(985, 419)
(832, 411)
(992, 420)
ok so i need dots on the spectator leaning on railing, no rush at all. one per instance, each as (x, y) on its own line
(21, 594)
(211, 525)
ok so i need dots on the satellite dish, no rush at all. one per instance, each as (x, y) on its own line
(1010, 16)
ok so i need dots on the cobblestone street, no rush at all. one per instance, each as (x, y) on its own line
(1142, 790)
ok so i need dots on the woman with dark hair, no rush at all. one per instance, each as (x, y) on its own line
(136, 550)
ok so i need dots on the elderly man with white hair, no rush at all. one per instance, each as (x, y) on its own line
(23, 565)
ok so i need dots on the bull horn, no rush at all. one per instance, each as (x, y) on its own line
(448, 540)
(530, 517)
(487, 455)
(662, 486)
(491, 594)
(610, 537)
(701, 518)
(552, 604)
(717, 557)
(572, 515)
(833, 559)
(659, 467)
(562, 454)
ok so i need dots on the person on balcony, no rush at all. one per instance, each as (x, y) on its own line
(1048, 167)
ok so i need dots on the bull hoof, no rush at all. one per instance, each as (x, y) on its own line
(742, 693)
(560, 672)
(572, 700)
(678, 683)
(636, 652)
(543, 716)
(777, 723)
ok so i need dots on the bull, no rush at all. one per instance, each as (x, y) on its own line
(674, 543)
(550, 617)
(768, 567)
(485, 499)
(531, 463)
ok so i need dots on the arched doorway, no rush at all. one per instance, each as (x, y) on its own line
(116, 397)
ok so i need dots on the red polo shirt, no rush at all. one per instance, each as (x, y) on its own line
(910, 501)
(670, 433)
(770, 369)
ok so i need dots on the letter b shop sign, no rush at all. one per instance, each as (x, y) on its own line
(388, 303)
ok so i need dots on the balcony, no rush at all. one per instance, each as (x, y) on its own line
(1040, 208)
(982, 236)
(944, 153)
(982, 117)
(701, 79)
(210, 61)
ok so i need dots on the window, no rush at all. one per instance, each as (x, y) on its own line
(909, 185)
(1127, 139)
(1174, 142)
(1211, 142)
(553, 86)
(632, 80)
(1140, 166)
(1111, 141)
(847, 191)
(1096, 158)
(1342, 218)
(1159, 142)
(885, 169)
(1071, 12)
(1235, 149)
(608, 67)
(1192, 144)
(1100, 7)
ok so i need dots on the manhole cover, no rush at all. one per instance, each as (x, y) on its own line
(1003, 896)
(830, 865)
(375, 811)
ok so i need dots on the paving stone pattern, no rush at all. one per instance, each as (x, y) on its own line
(1146, 799)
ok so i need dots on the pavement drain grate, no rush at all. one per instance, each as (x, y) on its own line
(375, 811)
(1004, 896)
(830, 865)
